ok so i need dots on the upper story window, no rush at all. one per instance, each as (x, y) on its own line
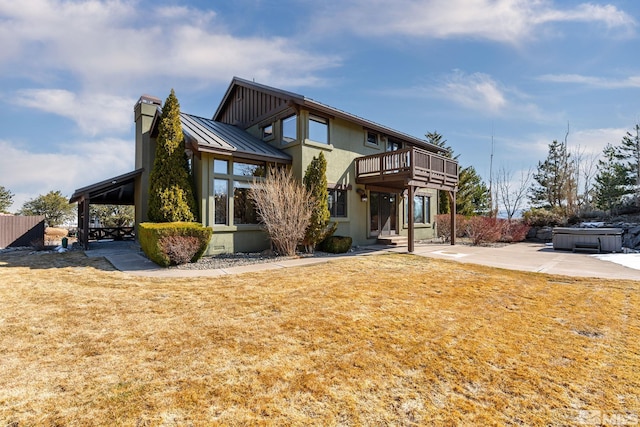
(393, 145)
(372, 138)
(289, 129)
(318, 129)
(220, 166)
(267, 132)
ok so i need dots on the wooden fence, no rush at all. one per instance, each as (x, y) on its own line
(21, 230)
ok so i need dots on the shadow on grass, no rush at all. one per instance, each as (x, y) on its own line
(43, 260)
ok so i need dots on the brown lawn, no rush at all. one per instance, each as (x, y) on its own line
(375, 340)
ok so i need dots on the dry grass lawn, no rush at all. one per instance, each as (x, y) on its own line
(373, 340)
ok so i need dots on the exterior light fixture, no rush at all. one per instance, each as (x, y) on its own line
(362, 193)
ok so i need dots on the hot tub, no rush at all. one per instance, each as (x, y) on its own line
(587, 239)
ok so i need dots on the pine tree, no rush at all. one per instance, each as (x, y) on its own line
(6, 199)
(170, 189)
(315, 181)
(610, 180)
(554, 180)
(629, 152)
(473, 195)
(438, 140)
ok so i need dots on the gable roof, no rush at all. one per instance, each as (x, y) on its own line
(113, 191)
(214, 137)
(291, 99)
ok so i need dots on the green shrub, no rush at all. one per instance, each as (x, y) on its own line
(337, 244)
(173, 243)
(541, 217)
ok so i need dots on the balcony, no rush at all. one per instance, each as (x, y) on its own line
(410, 166)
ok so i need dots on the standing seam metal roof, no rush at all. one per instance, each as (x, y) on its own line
(221, 136)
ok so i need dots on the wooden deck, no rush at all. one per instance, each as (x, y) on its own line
(408, 167)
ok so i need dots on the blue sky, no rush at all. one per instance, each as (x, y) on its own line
(520, 71)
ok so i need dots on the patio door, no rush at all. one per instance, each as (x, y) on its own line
(382, 213)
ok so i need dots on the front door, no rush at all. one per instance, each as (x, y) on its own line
(382, 213)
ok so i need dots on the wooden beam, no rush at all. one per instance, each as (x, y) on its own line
(452, 209)
(85, 223)
(411, 246)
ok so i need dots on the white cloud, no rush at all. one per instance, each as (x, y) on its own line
(507, 21)
(94, 113)
(584, 141)
(475, 91)
(120, 43)
(29, 174)
(593, 81)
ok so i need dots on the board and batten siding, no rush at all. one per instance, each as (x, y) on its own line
(21, 230)
(247, 105)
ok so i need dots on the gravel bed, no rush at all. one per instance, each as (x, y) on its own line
(239, 259)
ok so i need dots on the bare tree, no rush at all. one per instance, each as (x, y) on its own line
(509, 194)
(584, 173)
(284, 205)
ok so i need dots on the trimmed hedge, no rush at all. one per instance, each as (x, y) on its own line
(337, 244)
(173, 243)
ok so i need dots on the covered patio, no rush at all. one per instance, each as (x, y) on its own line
(118, 190)
(408, 170)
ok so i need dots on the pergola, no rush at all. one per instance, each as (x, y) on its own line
(118, 190)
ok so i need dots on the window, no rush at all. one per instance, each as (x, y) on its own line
(220, 200)
(289, 129)
(338, 203)
(220, 166)
(244, 211)
(318, 129)
(393, 145)
(248, 169)
(372, 138)
(267, 132)
(420, 210)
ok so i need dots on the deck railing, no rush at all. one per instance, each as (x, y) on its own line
(413, 163)
(106, 233)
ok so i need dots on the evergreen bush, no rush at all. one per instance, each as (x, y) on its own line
(173, 243)
(337, 244)
(171, 196)
(315, 181)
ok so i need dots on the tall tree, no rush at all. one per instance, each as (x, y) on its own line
(555, 180)
(6, 199)
(510, 194)
(438, 140)
(315, 181)
(171, 188)
(113, 215)
(629, 154)
(611, 179)
(54, 206)
(473, 194)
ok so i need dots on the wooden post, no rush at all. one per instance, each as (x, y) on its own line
(85, 223)
(452, 208)
(411, 220)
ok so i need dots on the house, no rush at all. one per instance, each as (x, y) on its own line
(382, 183)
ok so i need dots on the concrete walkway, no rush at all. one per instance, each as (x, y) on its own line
(534, 257)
